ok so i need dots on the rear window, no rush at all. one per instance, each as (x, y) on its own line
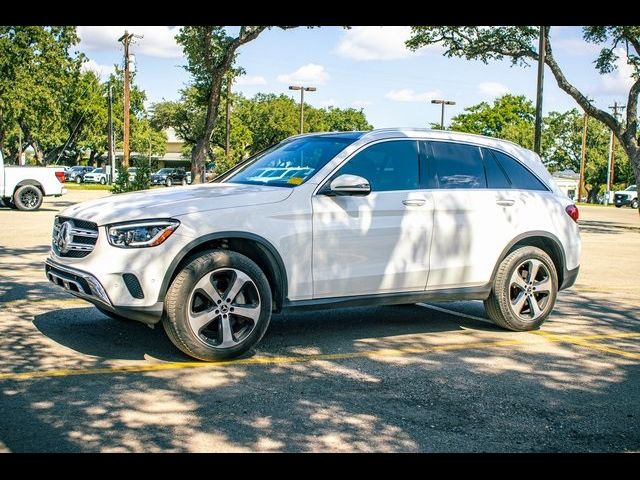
(518, 174)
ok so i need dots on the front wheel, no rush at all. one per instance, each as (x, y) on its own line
(78, 179)
(618, 206)
(168, 183)
(103, 181)
(634, 204)
(524, 291)
(27, 198)
(184, 182)
(218, 306)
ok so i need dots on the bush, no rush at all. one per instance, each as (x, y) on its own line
(121, 185)
(142, 180)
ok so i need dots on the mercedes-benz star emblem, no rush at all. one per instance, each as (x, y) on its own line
(64, 238)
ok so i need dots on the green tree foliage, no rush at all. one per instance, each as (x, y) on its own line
(256, 123)
(37, 65)
(519, 44)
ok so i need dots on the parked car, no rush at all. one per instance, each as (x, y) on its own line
(77, 173)
(132, 173)
(99, 175)
(628, 196)
(23, 188)
(169, 176)
(392, 216)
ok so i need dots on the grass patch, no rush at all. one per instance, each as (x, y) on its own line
(86, 186)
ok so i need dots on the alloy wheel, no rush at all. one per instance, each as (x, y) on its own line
(529, 289)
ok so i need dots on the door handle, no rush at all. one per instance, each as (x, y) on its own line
(414, 202)
(505, 203)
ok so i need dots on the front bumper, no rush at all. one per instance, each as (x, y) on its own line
(86, 286)
(622, 201)
(569, 278)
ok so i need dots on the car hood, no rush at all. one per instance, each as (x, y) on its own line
(174, 201)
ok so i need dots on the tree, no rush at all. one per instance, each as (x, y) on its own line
(36, 68)
(210, 53)
(506, 118)
(519, 44)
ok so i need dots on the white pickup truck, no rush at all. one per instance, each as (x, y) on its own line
(24, 187)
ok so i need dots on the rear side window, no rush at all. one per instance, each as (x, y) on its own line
(455, 165)
(520, 177)
(496, 178)
(388, 166)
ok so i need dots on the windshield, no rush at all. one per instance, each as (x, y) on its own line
(76, 169)
(98, 170)
(630, 188)
(131, 169)
(164, 171)
(291, 163)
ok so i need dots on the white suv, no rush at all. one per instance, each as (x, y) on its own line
(389, 216)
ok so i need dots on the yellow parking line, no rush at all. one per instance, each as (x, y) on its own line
(583, 342)
(154, 367)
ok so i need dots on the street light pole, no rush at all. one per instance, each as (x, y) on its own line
(302, 90)
(443, 103)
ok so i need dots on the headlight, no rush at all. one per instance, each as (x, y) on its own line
(141, 234)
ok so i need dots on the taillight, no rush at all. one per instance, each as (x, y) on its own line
(60, 176)
(573, 212)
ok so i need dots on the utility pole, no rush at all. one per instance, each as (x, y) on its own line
(582, 156)
(126, 41)
(612, 154)
(227, 135)
(537, 140)
(110, 128)
(302, 90)
(443, 103)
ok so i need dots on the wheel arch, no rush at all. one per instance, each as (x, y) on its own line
(545, 241)
(35, 183)
(255, 247)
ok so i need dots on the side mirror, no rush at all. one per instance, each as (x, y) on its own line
(349, 185)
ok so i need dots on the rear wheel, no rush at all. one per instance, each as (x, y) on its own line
(218, 306)
(78, 179)
(168, 183)
(524, 291)
(618, 206)
(184, 182)
(634, 203)
(27, 198)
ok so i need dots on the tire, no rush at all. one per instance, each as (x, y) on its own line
(618, 206)
(184, 182)
(113, 316)
(103, 181)
(27, 198)
(78, 180)
(168, 183)
(222, 333)
(501, 305)
(634, 204)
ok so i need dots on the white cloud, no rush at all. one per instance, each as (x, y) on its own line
(409, 95)
(377, 43)
(619, 81)
(310, 73)
(103, 71)
(361, 103)
(575, 46)
(249, 80)
(157, 41)
(493, 89)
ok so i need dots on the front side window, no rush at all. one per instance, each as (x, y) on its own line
(290, 163)
(391, 165)
(455, 165)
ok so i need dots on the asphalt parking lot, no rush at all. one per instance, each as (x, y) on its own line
(434, 378)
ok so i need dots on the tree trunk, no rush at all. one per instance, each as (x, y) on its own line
(199, 155)
(39, 153)
(92, 158)
(630, 146)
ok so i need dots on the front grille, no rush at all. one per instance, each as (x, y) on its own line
(619, 196)
(79, 239)
(68, 280)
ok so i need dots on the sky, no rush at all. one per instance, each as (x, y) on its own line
(363, 67)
